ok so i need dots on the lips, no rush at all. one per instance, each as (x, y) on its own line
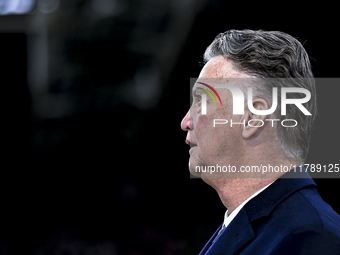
(189, 143)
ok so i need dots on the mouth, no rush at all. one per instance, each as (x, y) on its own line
(190, 144)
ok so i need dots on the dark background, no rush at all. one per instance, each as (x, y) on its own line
(93, 92)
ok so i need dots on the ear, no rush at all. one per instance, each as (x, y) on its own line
(254, 122)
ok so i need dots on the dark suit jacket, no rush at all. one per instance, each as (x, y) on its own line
(289, 217)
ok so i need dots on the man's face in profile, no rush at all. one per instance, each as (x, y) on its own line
(212, 145)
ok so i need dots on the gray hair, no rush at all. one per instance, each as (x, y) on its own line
(269, 55)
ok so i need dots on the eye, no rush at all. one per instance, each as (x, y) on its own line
(198, 97)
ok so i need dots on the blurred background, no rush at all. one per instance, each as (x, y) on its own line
(94, 160)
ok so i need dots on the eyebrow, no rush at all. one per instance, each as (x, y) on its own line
(195, 89)
(211, 88)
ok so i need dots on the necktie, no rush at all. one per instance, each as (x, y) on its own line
(219, 232)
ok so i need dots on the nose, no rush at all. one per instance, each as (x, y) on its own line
(185, 124)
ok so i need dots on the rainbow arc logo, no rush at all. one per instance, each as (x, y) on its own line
(204, 97)
(208, 92)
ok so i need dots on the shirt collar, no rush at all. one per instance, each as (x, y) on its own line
(228, 217)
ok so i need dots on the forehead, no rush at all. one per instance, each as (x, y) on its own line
(214, 68)
(221, 67)
(219, 70)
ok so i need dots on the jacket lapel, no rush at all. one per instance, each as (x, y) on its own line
(239, 233)
(209, 243)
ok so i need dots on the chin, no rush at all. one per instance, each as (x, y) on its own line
(193, 171)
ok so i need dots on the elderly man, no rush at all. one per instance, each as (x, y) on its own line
(254, 159)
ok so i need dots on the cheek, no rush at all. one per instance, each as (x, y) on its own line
(204, 124)
(215, 143)
(211, 140)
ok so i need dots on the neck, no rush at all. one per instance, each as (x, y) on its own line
(234, 191)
